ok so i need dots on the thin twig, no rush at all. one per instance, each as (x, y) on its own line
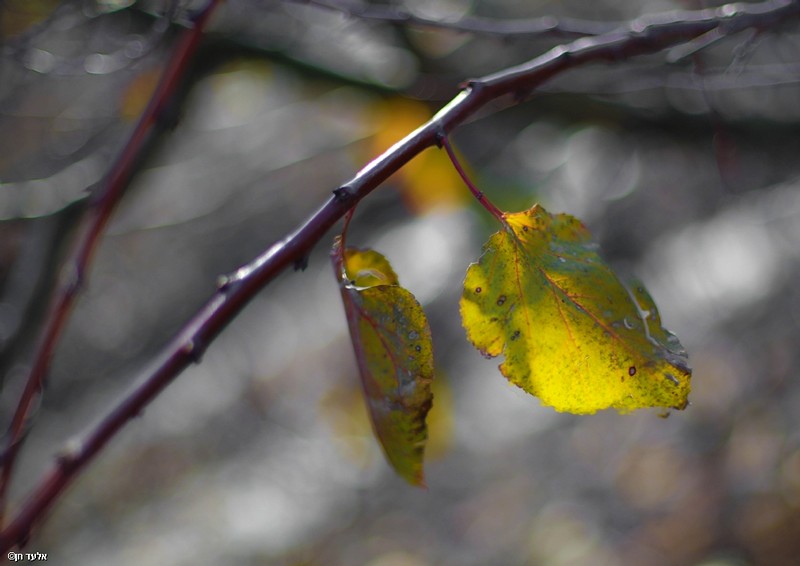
(545, 25)
(642, 36)
(101, 206)
(644, 79)
(476, 192)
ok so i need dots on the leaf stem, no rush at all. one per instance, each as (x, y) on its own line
(339, 247)
(477, 193)
(346, 224)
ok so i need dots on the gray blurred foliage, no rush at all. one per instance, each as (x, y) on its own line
(686, 172)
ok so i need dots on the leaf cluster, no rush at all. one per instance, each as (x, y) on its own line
(571, 332)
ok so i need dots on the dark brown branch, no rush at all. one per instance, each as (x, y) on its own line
(642, 36)
(101, 206)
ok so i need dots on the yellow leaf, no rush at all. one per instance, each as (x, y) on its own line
(572, 334)
(393, 348)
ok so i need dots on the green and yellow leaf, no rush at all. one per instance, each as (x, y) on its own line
(393, 348)
(571, 333)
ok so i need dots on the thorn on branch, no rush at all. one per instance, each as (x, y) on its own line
(564, 52)
(69, 455)
(301, 263)
(223, 282)
(474, 85)
(192, 351)
(639, 28)
(344, 194)
(441, 137)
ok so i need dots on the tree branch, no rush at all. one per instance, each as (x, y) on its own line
(545, 25)
(101, 206)
(641, 36)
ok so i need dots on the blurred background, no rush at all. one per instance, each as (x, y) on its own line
(684, 166)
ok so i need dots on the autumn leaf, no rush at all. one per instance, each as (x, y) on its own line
(393, 348)
(138, 93)
(572, 334)
(17, 16)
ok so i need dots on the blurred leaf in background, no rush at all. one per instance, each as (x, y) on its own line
(17, 16)
(136, 96)
(429, 181)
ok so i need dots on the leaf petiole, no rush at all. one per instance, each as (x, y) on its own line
(477, 193)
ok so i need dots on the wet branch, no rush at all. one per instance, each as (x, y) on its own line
(642, 36)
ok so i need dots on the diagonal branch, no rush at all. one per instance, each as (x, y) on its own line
(642, 36)
(101, 206)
